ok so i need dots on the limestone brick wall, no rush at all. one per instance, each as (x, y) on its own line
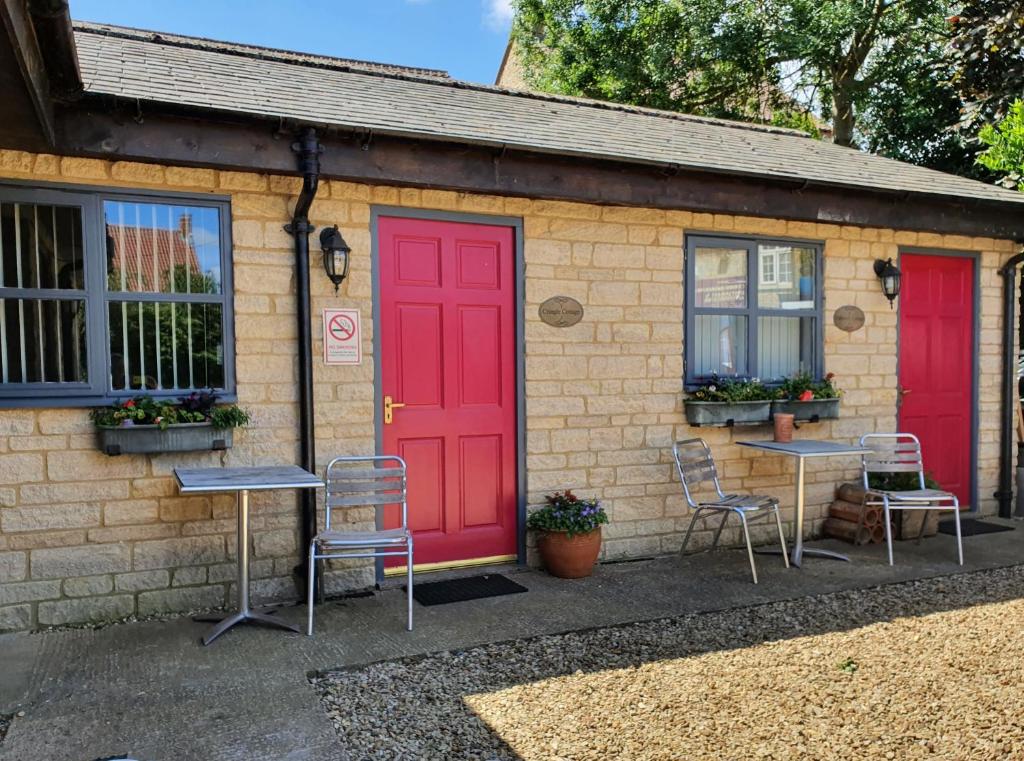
(88, 537)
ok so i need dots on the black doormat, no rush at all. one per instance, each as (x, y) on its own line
(971, 527)
(460, 590)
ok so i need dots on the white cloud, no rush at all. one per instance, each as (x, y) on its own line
(497, 14)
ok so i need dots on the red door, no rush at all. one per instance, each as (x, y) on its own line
(447, 322)
(936, 376)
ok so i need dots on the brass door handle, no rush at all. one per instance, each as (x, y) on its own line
(904, 391)
(389, 408)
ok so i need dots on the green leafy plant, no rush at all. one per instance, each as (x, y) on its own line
(900, 481)
(732, 390)
(1005, 151)
(198, 407)
(802, 387)
(564, 511)
(848, 666)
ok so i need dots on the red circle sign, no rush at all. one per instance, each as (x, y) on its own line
(341, 327)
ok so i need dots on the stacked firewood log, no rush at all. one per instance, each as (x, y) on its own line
(853, 521)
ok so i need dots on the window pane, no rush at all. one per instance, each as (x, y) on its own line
(789, 282)
(720, 278)
(165, 345)
(784, 346)
(42, 341)
(720, 345)
(40, 246)
(162, 248)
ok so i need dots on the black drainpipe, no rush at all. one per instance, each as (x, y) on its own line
(308, 149)
(1005, 493)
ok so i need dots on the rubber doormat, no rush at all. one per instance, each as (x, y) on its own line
(971, 527)
(460, 590)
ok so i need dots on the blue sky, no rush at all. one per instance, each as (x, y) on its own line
(465, 37)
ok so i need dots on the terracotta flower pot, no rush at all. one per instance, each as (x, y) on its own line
(569, 558)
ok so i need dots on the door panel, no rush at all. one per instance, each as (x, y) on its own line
(447, 322)
(936, 374)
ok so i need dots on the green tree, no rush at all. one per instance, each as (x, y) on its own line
(748, 59)
(987, 56)
(1005, 151)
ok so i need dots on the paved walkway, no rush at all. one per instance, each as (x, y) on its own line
(151, 690)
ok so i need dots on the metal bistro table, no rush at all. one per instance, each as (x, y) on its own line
(242, 481)
(802, 450)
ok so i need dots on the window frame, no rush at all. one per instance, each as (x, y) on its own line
(752, 311)
(90, 198)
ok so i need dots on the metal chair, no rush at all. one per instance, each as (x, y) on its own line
(695, 465)
(901, 453)
(363, 482)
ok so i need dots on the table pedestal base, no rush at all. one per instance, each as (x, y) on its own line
(796, 554)
(242, 617)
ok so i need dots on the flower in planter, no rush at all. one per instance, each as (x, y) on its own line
(802, 387)
(565, 512)
(199, 407)
(731, 390)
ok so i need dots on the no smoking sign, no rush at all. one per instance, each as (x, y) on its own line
(342, 337)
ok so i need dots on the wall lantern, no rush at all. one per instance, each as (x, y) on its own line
(336, 252)
(890, 276)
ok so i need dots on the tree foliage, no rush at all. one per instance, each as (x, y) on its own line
(987, 55)
(759, 60)
(1005, 151)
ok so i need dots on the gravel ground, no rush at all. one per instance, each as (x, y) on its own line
(927, 669)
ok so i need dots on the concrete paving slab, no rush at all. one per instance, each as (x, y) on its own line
(151, 690)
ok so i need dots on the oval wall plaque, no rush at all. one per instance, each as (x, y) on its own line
(849, 318)
(561, 311)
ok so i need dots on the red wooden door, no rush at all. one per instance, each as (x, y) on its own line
(447, 322)
(936, 373)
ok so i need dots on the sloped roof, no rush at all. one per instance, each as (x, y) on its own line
(236, 79)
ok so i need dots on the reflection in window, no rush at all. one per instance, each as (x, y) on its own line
(175, 342)
(162, 248)
(777, 334)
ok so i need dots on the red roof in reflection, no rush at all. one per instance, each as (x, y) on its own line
(134, 250)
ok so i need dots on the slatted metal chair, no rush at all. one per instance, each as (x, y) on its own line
(901, 453)
(354, 482)
(695, 466)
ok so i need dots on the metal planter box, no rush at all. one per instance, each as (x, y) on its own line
(812, 411)
(727, 413)
(184, 437)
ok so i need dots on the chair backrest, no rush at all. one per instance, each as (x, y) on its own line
(695, 465)
(891, 453)
(370, 481)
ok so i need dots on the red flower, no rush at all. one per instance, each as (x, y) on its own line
(830, 376)
(807, 396)
(129, 404)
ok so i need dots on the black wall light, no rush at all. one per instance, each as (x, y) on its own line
(336, 252)
(890, 276)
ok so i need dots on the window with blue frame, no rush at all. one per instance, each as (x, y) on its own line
(105, 295)
(753, 308)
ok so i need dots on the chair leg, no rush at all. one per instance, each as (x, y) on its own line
(408, 583)
(320, 578)
(782, 537)
(718, 531)
(888, 529)
(959, 539)
(750, 549)
(689, 530)
(309, 588)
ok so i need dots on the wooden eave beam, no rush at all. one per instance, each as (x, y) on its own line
(17, 23)
(259, 147)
